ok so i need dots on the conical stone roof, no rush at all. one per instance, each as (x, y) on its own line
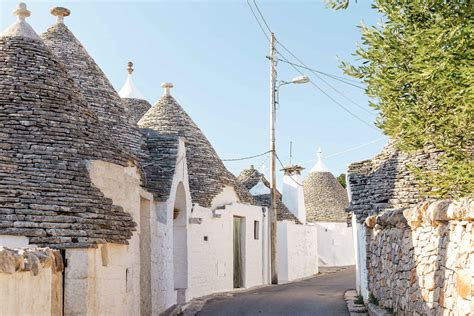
(47, 135)
(207, 174)
(250, 178)
(94, 85)
(325, 198)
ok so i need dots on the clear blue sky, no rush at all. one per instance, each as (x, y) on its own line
(214, 53)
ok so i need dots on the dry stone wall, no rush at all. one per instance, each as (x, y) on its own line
(420, 260)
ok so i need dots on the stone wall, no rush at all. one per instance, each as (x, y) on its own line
(385, 181)
(420, 260)
(30, 281)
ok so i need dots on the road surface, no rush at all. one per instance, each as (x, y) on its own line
(321, 295)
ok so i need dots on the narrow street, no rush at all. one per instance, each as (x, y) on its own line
(320, 295)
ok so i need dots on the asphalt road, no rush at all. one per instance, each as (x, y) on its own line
(320, 295)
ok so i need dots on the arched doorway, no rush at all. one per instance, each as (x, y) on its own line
(180, 249)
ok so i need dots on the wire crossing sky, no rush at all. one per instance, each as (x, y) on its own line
(214, 53)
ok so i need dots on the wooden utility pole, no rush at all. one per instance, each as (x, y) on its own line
(273, 217)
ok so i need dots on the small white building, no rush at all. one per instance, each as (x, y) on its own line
(297, 247)
(326, 201)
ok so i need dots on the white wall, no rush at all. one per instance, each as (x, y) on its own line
(293, 196)
(211, 261)
(335, 244)
(122, 273)
(99, 281)
(297, 255)
(162, 239)
(27, 293)
(362, 281)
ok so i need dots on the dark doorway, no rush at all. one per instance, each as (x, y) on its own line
(238, 260)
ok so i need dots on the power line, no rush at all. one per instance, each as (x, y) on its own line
(258, 21)
(347, 150)
(323, 80)
(261, 15)
(246, 158)
(281, 163)
(297, 69)
(332, 99)
(338, 78)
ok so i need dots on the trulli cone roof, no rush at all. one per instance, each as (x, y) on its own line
(325, 198)
(48, 134)
(157, 154)
(94, 85)
(252, 179)
(207, 173)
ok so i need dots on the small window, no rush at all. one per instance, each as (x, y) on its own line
(256, 230)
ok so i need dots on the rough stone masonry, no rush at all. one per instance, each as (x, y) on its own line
(421, 260)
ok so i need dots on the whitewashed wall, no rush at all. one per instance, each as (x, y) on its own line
(108, 278)
(335, 244)
(163, 282)
(211, 261)
(297, 255)
(29, 291)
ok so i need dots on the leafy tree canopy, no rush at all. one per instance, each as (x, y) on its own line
(418, 67)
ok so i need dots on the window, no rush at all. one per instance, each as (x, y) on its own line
(256, 230)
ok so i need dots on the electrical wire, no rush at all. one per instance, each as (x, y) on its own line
(261, 15)
(258, 21)
(283, 166)
(338, 78)
(246, 158)
(320, 78)
(297, 69)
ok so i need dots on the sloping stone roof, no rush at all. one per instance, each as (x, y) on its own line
(135, 109)
(207, 174)
(325, 198)
(118, 115)
(159, 166)
(47, 133)
(385, 181)
(94, 85)
(249, 178)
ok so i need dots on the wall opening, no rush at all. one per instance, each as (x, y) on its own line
(239, 233)
(256, 230)
(180, 259)
(145, 257)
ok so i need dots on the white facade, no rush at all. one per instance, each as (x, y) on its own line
(335, 244)
(297, 255)
(293, 195)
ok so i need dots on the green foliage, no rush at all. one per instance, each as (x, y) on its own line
(342, 179)
(359, 300)
(418, 67)
(373, 299)
(337, 4)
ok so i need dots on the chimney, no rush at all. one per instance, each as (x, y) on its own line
(293, 195)
(60, 13)
(167, 86)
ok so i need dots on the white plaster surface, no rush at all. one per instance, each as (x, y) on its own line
(297, 255)
(362, 273)
(211, 261)
(94, 287)
(11, 241)
(293, 196)
(22, 293)
(335, 244)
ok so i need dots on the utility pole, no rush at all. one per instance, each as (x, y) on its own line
(273, 217)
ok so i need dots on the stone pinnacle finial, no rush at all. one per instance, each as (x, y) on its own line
(167, 86)
(21, 12)
(130, 67)
(60, 13)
